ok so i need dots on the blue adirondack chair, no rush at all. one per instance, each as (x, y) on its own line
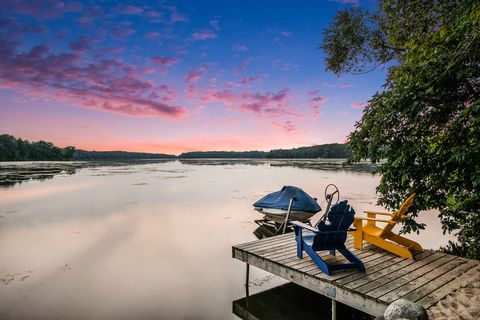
(329, 236)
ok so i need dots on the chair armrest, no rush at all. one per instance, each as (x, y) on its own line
(334, 231)
(304, 226)
(380, 213)
(371, 219)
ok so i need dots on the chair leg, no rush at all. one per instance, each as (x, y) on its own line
(318, 260)
(410, 244)
(352, 258)
(389, 246)
(358, 235)
(299, 239)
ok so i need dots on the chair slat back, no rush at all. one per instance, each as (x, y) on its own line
(340, 217)
(399, 215)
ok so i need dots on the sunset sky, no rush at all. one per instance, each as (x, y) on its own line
(175, 76)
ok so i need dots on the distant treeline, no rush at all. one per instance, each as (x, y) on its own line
(12, 149)
(333, 150)
(83, 155)
(223, 154)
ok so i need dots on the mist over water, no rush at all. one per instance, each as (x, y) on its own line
(149, 240)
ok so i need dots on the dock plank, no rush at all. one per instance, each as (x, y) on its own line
(389, 273)
(420, 277)
(427, 280)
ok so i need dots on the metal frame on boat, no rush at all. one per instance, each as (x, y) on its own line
(276, 220)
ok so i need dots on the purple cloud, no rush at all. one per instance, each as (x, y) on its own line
(176, 16)
(11, 26)
(203, 35)
(240, 47)
(288, 126)
(131, 10)
(165, 61)
(122, 32)
(346, 1)
(319, 99)
(108, 85)
(214, 24)
(83, 43)
(43, 9)
(152, 35)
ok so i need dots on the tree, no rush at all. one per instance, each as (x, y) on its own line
(423, 128)
(12, 149)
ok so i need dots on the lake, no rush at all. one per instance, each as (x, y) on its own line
(151, 240)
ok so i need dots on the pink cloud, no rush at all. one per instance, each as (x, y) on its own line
(288, 126)
(286, 33)
(344, 113)
(317, 112)
(195, 74)
(204, 34)
(242, 67)
(346, 85)
(358, 105)
(164, 61)
(108, 85)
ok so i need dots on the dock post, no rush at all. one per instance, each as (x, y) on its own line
(334, 310)
(247, 278)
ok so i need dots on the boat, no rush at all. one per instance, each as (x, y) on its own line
(276, 205)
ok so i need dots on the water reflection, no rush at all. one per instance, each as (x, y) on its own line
(316, 164)
(12, 173)
(147, 241)
(291, 301)
(267, 231)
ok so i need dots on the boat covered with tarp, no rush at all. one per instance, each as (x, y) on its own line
(275, 205)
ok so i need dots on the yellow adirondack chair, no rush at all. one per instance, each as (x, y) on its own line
(384, 237)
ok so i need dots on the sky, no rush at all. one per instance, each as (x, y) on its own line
(175, 76)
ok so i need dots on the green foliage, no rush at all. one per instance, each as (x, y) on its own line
(12, 149)
(424, 127)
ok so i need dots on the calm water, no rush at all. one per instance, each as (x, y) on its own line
(147, 241)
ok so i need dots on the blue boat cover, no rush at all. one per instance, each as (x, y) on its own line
(281, 199)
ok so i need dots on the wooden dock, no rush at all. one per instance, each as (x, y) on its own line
(425, 280)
